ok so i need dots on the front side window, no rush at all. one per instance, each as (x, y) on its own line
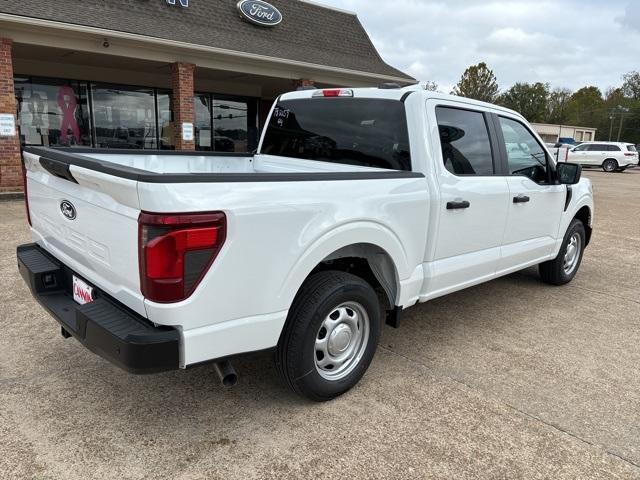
(525, 155)
(581, 148)
(355, 131)
(464, 140)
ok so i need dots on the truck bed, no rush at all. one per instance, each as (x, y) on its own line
(167, 166)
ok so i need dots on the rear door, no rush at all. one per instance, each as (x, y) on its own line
(535, 203)
(89, 222)
(473, 198)
(597, 153)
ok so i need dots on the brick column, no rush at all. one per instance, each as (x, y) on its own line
(303, 82)
(182, 85)
(10, 165)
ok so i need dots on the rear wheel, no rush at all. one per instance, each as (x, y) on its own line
(564, 267)
(331, 335)
(610, 165)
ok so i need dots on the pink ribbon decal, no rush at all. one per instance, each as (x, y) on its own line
(67, 103)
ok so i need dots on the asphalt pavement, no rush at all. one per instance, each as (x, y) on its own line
(509, 379)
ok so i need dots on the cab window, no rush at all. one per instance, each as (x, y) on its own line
(581, 148)
(524, 154)
(464, 140)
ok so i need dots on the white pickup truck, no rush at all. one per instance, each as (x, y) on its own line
(359, 203)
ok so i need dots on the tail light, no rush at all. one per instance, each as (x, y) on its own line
(629, 154)
(26, 197)
(175, 252)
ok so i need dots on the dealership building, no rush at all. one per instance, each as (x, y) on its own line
(166, 74)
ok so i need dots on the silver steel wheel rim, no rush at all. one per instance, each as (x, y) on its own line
(572, 254)
(341, 340)
(609, 166)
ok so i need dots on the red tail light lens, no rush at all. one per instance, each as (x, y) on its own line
(175, 252)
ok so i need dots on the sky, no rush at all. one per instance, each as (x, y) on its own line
(565, 43)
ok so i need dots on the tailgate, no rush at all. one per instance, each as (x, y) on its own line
(89, 221)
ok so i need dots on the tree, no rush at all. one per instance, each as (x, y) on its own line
(430, 86)
(557, 105)
(631, 85)
(530, 100)
(586, 108)
(477, 82)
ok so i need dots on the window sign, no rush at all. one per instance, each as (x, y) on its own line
(7, 125)
(187, 132)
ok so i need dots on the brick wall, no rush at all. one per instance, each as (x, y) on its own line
(10, 166)
(182, 85)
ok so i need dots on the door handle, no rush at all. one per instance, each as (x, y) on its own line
(521, 199)
(458, 205)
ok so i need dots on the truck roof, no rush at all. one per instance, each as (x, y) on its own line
(393, 93)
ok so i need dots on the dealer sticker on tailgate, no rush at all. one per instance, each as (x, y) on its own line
(82, 293)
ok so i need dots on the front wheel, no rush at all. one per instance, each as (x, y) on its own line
(564, 267)
(609, 165)
(330, 336)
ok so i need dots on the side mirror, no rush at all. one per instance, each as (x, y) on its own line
(568, 173)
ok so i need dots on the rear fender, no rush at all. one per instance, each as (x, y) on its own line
(339, 238)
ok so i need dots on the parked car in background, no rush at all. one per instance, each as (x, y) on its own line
(566, 142)
(610, 156)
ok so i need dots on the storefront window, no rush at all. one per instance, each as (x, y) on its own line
(124, 117)
(56, 112)
(165, 126)
(52, 112)
(234, 123)
(202, 108)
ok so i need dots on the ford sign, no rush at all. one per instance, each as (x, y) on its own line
(259, 12)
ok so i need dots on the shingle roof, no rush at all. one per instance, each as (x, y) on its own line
(308, 32)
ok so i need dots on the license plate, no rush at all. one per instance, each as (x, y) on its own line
(82, 292)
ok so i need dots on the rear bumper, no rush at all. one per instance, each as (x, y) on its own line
(104, 326)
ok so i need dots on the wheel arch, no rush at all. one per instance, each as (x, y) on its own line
(609, 158)
(353, 248)
(584, 215)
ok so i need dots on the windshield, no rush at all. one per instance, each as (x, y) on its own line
(355, 131)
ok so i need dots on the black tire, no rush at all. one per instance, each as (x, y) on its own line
(318, 298)
(610, 165)
(553, 271)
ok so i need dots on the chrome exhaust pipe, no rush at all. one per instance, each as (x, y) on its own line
(226, 373)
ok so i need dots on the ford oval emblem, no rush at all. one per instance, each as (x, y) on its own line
(67, 209)
(259, 12)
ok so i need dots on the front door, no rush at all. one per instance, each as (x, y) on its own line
(473, 199)
(535, 202)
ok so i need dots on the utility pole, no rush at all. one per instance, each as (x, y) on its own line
(623, 111)
(611, 117)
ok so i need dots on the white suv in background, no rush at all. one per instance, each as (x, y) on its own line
(611, 156)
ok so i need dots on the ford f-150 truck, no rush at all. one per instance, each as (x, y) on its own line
(358, 204)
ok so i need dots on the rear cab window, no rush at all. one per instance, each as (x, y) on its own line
(368, 132)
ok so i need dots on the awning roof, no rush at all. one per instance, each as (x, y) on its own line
(308, 32)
